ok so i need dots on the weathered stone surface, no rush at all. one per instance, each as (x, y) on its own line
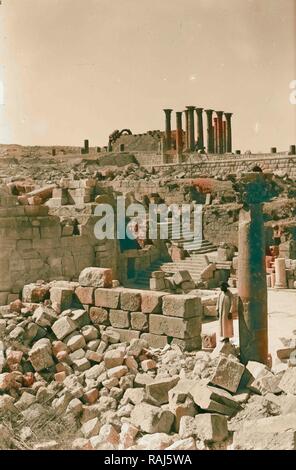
(35, 292)
(85, 295)
(183, 444)
(139, 321)
(96, 277)
(99, 316)
(184, 306)
(61, 298)
(63, 327)
(157, 391)
(130, 300)
(151, 419)
(228, 374)
(124, 335)
(274, 433)
(155, 341)
(176, 327)
(107, 298)
(214, 399)
(91, 428)
(288, 381)
(181, 276)
(113, 358)
(119, 318)
(41, 357)
(151, 302)
(207, 427)
(157, 441)
(76, 342)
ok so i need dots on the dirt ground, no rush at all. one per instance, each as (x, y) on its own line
(281, 319)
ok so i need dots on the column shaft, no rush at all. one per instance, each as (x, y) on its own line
(191, 138)
(168, 129)
(215, 135)
(179, 133)
(210, 131)
(220, 131)
(200, 133)
(228, 132)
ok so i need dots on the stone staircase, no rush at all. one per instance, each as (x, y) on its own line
(187, 241)
(195, 264)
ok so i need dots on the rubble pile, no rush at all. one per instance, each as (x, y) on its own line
(68, 380)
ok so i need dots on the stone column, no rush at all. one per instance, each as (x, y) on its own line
(191, 138)
(179, 133)
(280, 273)
(200, 134)
(215, 135)
(168, 129)
(224, 136)
(210, 131)
(228, 132)
(220, 131)
(253, 188)
(186, 129)
(86, 146)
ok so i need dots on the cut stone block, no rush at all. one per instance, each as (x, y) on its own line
(107, 298)
(85, 295)
(207, 427)
(175, 327)
(184, 306)
(288, 381)
(99, 316)
(130, 300)
(139, 321)
(119, 318)
(155, 341)
(228, 374)
(181, 276)
(40, 357)
(151, 302)
(151, 419)
(96, 277)
(63, 327)
(61, 298)
(157, 391)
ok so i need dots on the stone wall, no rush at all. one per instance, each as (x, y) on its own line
(36, 246)
(210, 165)
(157, 317)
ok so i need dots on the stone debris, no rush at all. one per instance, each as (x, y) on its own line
(112, 389)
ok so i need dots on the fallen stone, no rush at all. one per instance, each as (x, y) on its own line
(95, 277)
(151, 419)
(91, 428)
(288, 381)
(157, 391)
(157, 441)
(63, 327)
(228, 374)
(183, 444)
(207, 427)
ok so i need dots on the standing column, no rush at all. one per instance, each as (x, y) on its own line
(254, 188)
(280, 273)
(200, 134)
(210, 131)
(228, 132)
(179, 133)
(168, 129)
(186, 129)
(191, 139)
(220, 131)
(215, 135)
(224, 136)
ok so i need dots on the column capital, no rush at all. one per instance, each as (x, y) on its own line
(209, 111)
(199, 110)
(219, 113)
(190, 108)
(167, 110)
(228, 115)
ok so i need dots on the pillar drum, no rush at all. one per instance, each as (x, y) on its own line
(280, 273)
(252, 287)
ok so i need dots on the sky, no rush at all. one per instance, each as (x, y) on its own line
(78, 69)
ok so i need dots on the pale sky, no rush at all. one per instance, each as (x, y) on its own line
(76, 69)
